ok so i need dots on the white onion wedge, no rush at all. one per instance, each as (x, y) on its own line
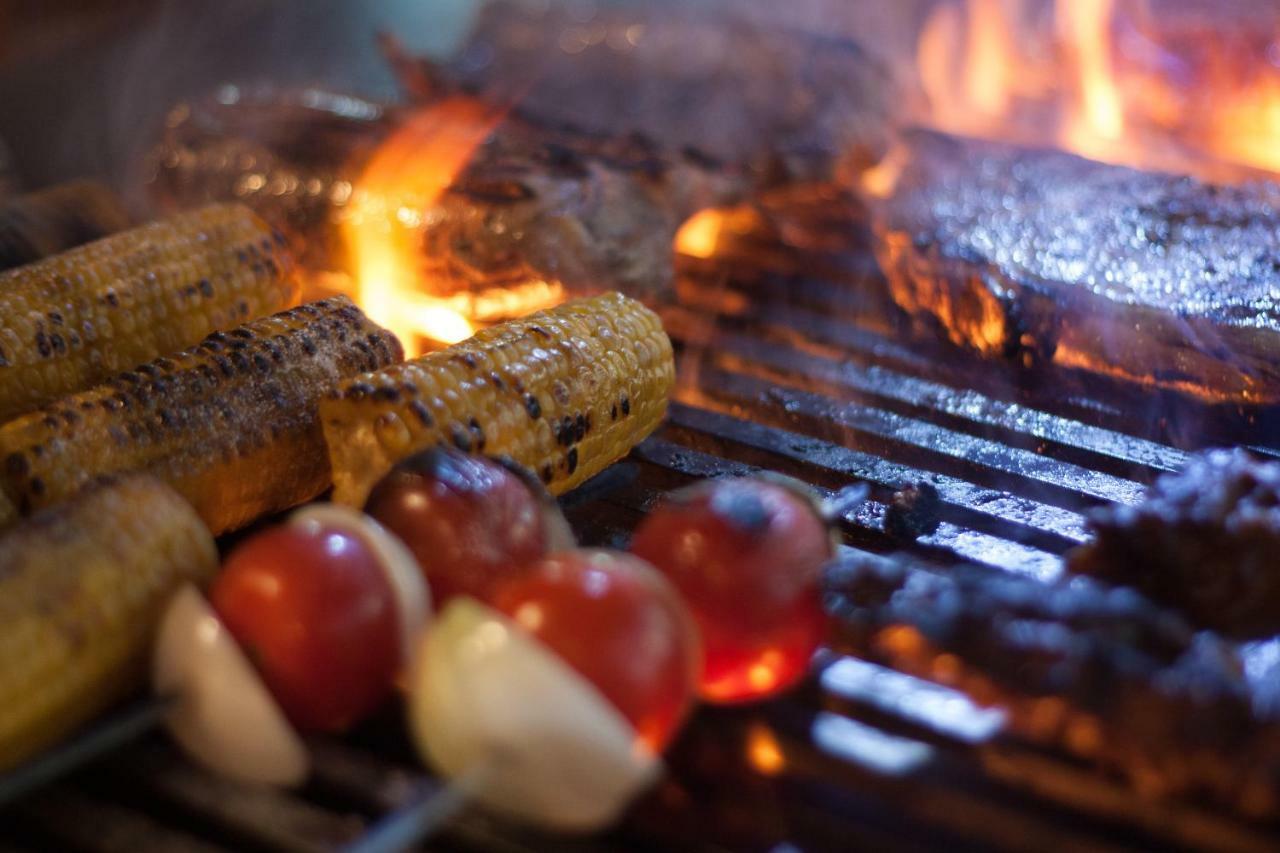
(408, 585)
(222, 715)
(531, 737)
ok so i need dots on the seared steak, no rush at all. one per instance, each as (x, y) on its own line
(1044, 255)
(1205, 541)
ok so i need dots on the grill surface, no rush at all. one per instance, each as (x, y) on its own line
(790, 359)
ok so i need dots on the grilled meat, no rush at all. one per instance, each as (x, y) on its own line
(289, 155)
(536, 202)
(788, 104)
(1101, 672)
(1044, 255)
(1204, 541)
(51, 220)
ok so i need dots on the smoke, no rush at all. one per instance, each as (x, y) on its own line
(91, 97)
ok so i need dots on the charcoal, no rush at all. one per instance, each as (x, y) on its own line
(913, 511)
(1042, 256)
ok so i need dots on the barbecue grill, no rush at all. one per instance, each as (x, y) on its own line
(792, 358)
(791, 362)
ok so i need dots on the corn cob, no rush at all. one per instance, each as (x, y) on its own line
(231, 424)
(564, 392)
(72, 320)
(82, 587)
(52, 220)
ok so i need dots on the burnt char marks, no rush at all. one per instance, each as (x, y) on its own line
(1204, 540)
(1099, 671)
(1020, 253)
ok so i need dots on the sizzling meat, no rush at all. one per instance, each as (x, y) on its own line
(1205, 540)
(1044, 255)
(797, 105)
(536, 202)
(1101, 672)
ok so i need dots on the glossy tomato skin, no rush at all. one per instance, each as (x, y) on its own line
(467, 520)
(617, 622)
(315, 613)
(746, 555)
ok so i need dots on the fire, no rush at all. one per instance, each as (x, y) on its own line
(1122, 83)
(391, 204)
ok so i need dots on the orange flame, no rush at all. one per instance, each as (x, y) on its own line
(390, 205)
(991, 68)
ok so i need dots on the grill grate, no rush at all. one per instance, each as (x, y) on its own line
(791, 361)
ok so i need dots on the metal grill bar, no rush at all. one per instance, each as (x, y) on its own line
(790, 361)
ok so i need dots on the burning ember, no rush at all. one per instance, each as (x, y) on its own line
(1175, 87)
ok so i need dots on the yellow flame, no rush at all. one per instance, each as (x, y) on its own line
(700, 234)
(1096, 123)
(383, 225)
(991, 58)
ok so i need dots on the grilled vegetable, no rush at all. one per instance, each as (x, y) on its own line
(81, 589)
(564, 392)
(231, 423)
(52, 220)
(74, 319)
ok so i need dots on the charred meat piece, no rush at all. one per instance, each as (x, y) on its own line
(1205, 541)
(57, 218)
(913, 511)
(1100, 672)
(288, 154)
(1042, 255)
(536, 202)
(791, 104)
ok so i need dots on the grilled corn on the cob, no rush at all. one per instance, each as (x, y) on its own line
(74, 319)
(52, 220)
(81, 588)
(564, 392)
(231, 424)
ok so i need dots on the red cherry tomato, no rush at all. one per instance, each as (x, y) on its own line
(746, 555)
(620, 625)
(468, 520)
(315, 613)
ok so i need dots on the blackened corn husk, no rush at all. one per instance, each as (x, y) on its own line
(52, 220)
(231, 424)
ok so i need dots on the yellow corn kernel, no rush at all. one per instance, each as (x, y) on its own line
(82, 589)
(71, 320)
(231, 424)
(564, 392)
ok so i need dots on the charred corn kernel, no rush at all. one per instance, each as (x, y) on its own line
(52, 220)
(231, 424)
(564, 392)
(80, 592)
(72, 320)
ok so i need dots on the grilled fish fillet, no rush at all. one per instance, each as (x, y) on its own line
(1042, 255)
